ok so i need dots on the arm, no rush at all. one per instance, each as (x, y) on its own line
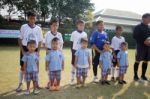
(46, 65)
(63, 65)
(20, 45)
(100, 64)
(90, 61)
(94, 47)
(24, 67)
(76, 59)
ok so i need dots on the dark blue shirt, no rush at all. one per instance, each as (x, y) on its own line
(98, 38)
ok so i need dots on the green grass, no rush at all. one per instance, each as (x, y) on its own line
(9, 67)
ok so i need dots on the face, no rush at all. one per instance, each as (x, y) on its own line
(55, 45)
(32, 19)
(106, 47)
(54, 27)
(119, 32)
(84, 44)
(124, 47)
(31, 47)
(80, 26)
(146, 20)
(100, 26)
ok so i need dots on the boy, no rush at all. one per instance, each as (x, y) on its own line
(54, 25)
(30, 66)
(115, 44)
(123, 62)
(82, 62)
(75, 44)
(105, 63)
(97, 40)
(54, 65)
(28, 32)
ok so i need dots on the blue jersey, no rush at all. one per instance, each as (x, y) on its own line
(55, 59)
(123, 58)
(98, 38)
(31, 60)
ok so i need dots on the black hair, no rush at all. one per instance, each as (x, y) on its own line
(118, 27)
(124, 44)
(31, 13)
(84, 40)
(99, 22)
(146, 15)
(55, 39)
(53, 21)
(31, 42)
(80, 22)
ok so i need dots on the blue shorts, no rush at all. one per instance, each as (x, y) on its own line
(82, 72)
(31, 76)
(122, 69)
(105, 72)
(55, 75)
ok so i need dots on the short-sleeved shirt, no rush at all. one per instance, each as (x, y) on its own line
(98, 38)
(76, 38)
(83, 56)
(27, 33)
(55, 59)
(31, 60)
(106, 59)
(116, 42)
(49, 36)
(123, 58)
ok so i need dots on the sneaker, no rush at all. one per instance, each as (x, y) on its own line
(124, 82)
(57, 88)
(136, 78)
(95, 80)
(121, 82)
(27, 92)
(103, 82)
(19, 89)
(106, 82)
(144, 78)
(52, 88)
(35, 91)
(112, 78)
(78, 86)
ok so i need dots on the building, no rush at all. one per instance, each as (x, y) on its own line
(113, 17)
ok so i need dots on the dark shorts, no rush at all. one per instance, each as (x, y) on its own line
(142, 53)
(21, 55)
(95, 57)
(33, 76)
(122, 69)
(73, 56)
(114, 60)
(105, 72)
(55, 75)
(81, 72)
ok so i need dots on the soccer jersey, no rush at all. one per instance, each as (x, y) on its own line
(116, 42)
(31, 60)
(76, 38)
(49, 36)
(55, 59)
(27, 33)
(83, 56)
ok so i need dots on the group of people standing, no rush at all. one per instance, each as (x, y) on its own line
(111, 56)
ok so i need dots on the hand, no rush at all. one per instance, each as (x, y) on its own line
(147, 42)
(89, 67)
(75, 66)
(62, 68)
(46, 69)
(23, 52)
(24, 72)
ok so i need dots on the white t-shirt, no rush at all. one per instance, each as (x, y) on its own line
(49, 36)
(116, 42)
(27, 33)
(76, 38)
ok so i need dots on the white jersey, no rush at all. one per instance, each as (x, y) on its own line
(27, 33)
(116, 42)
(49, 36)
(76, 38)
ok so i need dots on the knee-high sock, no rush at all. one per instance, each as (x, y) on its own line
(73, 72)
(112, 71)
(144, 68)
(21, 77)
(136, 66)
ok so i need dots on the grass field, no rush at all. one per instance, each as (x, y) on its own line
(9, 67)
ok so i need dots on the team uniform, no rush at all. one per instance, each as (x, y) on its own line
(106, 60)
(55, 59)
(31, 60)
(123, 62)
(97, 38)
(75, 39)
(82, 62)
(48, 38)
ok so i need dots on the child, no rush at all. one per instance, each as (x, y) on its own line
(30, 66)
(29, 31)
(54, 65)
(123, 62)
(75, 44)
(54, 25)
(97, 40)
(82, 62)
(105, 63)
(115, 44)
